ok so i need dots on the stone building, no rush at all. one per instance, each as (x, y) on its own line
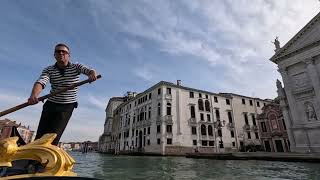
(171, 119)
(6, 130)
(272, 129)
(299, 64)
(105, 139)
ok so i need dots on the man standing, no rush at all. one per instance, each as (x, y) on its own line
(58, 109)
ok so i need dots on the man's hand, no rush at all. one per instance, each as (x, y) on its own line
(33, 100)
(92, 76)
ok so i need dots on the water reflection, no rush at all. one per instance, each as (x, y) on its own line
(104, 166)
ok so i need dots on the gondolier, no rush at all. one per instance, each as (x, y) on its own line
(58, 109)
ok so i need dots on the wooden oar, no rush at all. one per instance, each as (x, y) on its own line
(20, 106)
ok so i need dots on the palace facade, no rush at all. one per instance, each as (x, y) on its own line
(170, 119)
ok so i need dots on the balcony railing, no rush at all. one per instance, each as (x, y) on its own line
(168, 96)
(168, 119)
(192, 121)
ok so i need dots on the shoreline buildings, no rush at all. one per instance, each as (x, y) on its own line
(171, 119)
(7, 128)
(299, 65)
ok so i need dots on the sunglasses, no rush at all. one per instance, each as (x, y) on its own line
(61, 51)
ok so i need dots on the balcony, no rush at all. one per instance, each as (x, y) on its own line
(192, 121)
(158, 120)
(254, 128)
(230, 125)
(246, 127)
(168, 119)
(168, 96)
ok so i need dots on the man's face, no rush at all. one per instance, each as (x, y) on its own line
(62, 55)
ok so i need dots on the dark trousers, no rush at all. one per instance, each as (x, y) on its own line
(54, 119)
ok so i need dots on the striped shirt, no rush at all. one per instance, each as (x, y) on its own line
(61, 78)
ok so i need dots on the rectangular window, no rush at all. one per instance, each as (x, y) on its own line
(144, 141)
(208, 118)
(232, 134)
(158, 141)
(218, 114)
(249, 135)
(194, 130)
(211, 143)
(243, 101)
(158, 128)
(169, 128)
(230, 116)
(233, 144)
(159, 91)
(251, 103)
(263, 127)
(264, 104)
(169, 141)
(149, 95)
(220, 133)
(192, 111)
(215, 99)
(228, 101)
(253, 119)
(204, 143)
(246, 118)
(258, 103)
(200, 95)
(191, 94)
(201, 117)
(144, 131)
(148, 130)
(257, 135)
(148, 142)
(168, 90)
(194, 142)
(207, 97)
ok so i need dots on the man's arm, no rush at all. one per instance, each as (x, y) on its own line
(92, 75)
(36, 90)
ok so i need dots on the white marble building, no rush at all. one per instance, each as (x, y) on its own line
(172, 119)
(299, 64)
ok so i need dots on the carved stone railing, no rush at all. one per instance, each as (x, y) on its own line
(168, 96)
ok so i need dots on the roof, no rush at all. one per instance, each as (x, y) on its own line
(284, 53)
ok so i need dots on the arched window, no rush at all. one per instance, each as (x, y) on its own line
(149, 112)
(207, 105)
(200, 104)
(168, 109)
(159, 109)
(203, 130)
(193, 112)
(210, 132)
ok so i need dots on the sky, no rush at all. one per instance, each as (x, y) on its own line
(212, 45)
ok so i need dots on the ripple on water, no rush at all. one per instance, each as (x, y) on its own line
(147, 167)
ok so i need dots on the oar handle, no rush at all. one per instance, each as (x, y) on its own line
(23, 105)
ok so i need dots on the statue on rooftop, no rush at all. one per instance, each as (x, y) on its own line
(276, 44)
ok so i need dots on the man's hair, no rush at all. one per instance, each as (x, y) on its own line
(61, 44)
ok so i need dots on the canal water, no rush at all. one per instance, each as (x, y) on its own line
(105, 166)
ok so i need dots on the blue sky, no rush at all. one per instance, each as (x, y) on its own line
(218, 46)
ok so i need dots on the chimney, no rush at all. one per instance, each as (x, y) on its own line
(179, 82)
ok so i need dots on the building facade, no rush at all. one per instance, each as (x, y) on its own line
(6, 128)
(272, 129)
(171, 119)
(299, 65)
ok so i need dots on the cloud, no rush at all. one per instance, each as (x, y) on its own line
(97, 102)
(143, 72)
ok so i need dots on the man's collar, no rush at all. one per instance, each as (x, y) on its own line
(56, 65)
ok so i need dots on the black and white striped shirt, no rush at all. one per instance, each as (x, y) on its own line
(61, 78)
